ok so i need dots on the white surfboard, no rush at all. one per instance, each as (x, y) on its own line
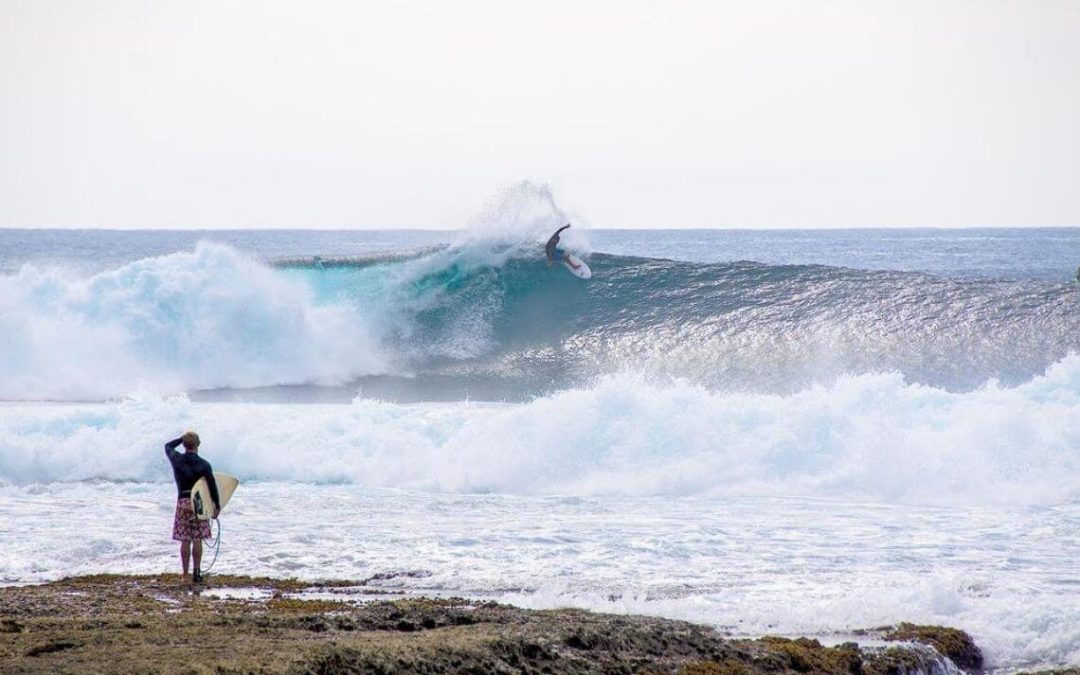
(201, 502)
(582, 270)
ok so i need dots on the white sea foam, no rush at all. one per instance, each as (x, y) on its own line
(202, 319)
(867, 437)
(749, 565)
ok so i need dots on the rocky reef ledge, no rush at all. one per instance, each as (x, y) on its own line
(156, 624)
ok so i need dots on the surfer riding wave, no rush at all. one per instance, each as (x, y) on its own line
(556, 254)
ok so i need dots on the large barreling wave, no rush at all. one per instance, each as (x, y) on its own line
(488, 318)
(732, 326)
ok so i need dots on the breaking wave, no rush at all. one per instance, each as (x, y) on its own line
(213, 318)
(204, 319)
(487, 314)
(870, 437)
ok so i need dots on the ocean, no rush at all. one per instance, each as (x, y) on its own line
(784, 432)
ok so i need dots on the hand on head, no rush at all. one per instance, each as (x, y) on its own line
(191, 440)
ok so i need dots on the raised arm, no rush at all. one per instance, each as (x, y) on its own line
(549, 248)
(170, 447)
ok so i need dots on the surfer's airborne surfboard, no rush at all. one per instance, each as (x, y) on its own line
(582, 271)
(201, 502)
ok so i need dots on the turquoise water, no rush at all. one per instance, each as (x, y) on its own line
(417, 316)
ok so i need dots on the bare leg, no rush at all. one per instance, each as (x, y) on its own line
(185, 555)
(197, 550)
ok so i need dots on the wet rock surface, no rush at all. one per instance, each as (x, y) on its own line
(157, 624)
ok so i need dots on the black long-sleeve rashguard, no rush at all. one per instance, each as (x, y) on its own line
(188, 468)
(553, 243)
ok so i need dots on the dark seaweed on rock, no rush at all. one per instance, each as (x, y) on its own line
(124, 624)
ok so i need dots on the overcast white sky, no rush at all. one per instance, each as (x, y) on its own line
(143, 113)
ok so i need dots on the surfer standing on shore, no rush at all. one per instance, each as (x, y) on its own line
(188, 468)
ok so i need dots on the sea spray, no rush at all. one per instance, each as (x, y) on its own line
(197, 320)
(521, 216)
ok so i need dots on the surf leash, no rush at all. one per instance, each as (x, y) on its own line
(216, 545)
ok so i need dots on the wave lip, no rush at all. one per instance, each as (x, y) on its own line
(354, 260)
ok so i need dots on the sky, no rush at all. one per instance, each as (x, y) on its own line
(401, 114)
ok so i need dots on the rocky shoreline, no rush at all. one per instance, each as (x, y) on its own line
(235, 624)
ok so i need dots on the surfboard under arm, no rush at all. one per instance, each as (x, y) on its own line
(202, 504)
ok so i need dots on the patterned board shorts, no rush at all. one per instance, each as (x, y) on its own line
(186, 527)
